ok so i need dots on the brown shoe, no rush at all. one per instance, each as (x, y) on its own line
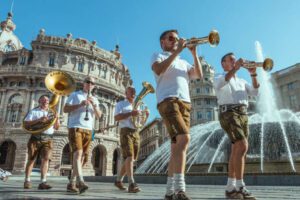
(181, 196)
(233, 194)
(82, 186)
(169, 197)
(133, 188)
(71, 187)
(120, 185)
(27, 185)
(246, 194)
(44, 186)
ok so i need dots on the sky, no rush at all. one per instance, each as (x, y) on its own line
(135, 25)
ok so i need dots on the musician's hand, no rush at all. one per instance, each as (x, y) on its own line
(84, 103)
(181, 45)
(91, 100)
(135, 113)
(43, 119)
(193, 50)
(237, 65)
(252, 70)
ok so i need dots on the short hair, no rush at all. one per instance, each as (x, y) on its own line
(224, 57)
(130, 87)
(166, 32)
(44, 95)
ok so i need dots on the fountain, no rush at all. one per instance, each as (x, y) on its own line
(274, 140)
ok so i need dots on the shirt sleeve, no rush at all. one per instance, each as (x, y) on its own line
(96, 102)
(251, 91)
(156, 57)
(219, 82)
(29, 116)
(118, 109)
(70, 99)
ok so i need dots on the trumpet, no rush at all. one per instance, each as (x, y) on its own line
(267, 65)
(213, 39)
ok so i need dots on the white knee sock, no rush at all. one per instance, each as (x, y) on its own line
(240, 183)
(179, 182)
(170, 186)
(231, 183)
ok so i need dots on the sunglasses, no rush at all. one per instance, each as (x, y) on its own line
(173, 39)
(90, 82)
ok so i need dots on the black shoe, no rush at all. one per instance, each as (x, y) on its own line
(181, 196)
(233, 194)
(133, 188)
(245, 193)
(169, 197)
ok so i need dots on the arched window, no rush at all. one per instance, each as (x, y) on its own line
(103, 119)
(14, 108)
(66, 157)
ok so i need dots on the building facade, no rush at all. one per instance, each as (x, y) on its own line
(287, 87)
(22, 83)
(203, 97)
(153, 135)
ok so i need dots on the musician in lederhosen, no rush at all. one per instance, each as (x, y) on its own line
(39, 144)
(232, 94)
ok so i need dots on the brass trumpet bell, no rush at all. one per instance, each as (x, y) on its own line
(267, 65)
(213, 39)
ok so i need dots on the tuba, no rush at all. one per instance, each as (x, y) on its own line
(213, 39)
(60, 84)
(267, 65)
(139, 120)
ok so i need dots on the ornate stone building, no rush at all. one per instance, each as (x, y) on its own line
(153, 135)
(22, 74)
(287, 86)
(203, 97)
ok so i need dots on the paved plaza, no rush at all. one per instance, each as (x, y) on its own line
(13, 189)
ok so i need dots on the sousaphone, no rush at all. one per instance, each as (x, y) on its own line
(60, 84)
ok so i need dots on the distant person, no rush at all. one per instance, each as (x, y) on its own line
(232, 94)
(172, 75)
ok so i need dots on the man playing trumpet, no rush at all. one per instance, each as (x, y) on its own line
(79, 106)
(232, 94)
(172, 76)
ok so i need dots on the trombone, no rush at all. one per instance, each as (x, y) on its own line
(267, 65)
(213, 39)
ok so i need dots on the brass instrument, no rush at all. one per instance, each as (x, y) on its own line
(267, 65)
(60, 84)
(139, 120)
(213, 39)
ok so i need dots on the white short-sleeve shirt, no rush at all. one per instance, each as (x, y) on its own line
(235, 91)
(38, 113)
(124, 107)
(76, 117)
(174, 82)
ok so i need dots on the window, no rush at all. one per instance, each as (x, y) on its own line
(14, 108)
(199, 115)
(207, 90)
(22, 60)
(198, 102)
(207, 101)
(291, 86)
(198, 90)
(80, 66)
(293, 100)
(209, 115)
(51, 59)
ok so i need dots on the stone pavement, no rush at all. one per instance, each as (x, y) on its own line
(13, 189)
